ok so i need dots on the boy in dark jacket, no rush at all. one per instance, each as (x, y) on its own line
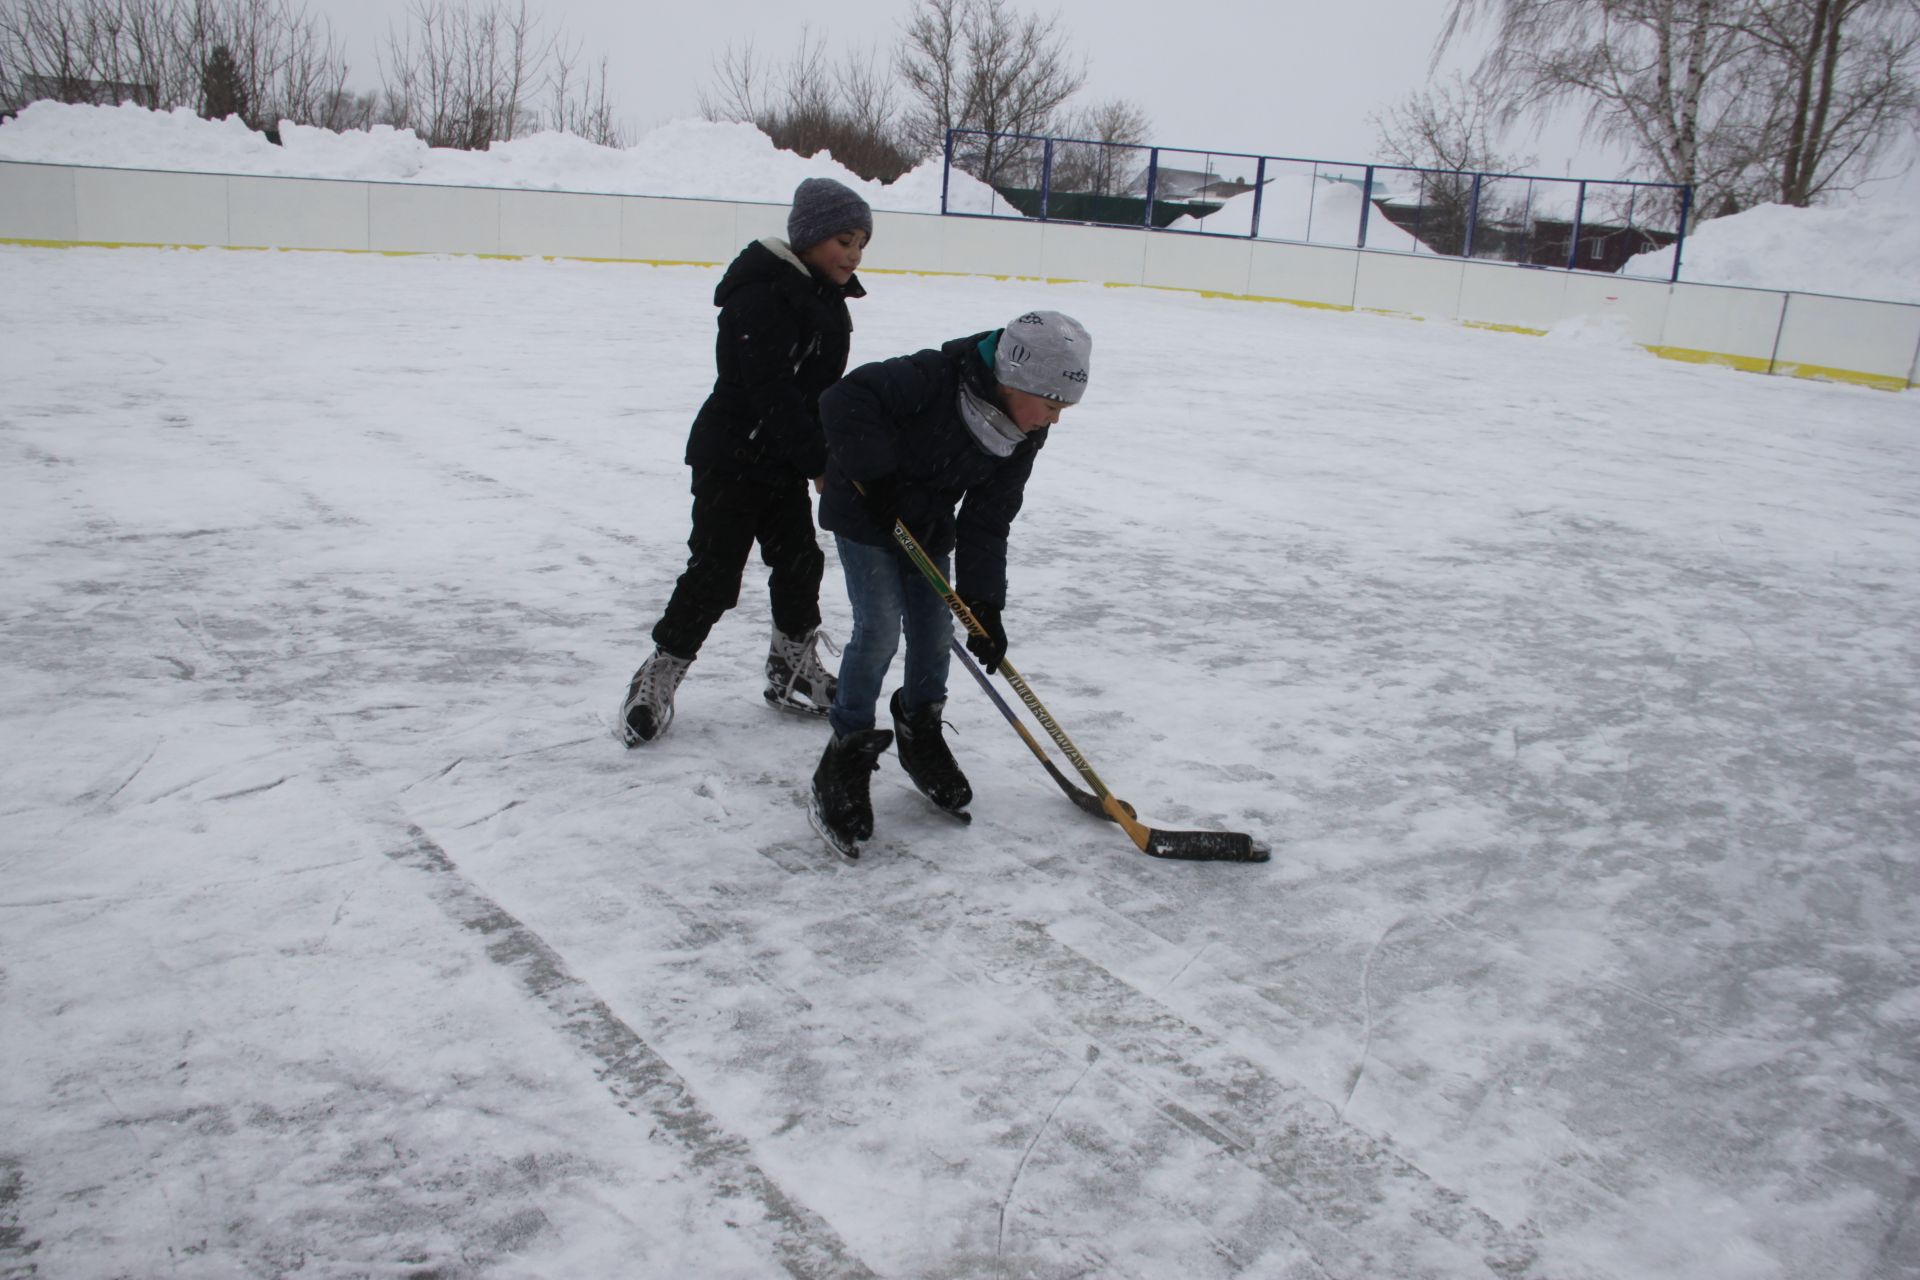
(944, 442)
(784, 338)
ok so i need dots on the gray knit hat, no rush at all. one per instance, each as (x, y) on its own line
(1046, 354)
(824, 208)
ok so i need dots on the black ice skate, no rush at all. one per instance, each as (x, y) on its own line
(925, 757)
(839, 806)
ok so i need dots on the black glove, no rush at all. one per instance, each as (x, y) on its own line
(991, 647)
(881, 498)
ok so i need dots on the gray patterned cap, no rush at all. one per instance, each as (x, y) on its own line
(1045, 353)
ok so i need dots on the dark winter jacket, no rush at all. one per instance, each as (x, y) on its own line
(901, 417)
(784, 337)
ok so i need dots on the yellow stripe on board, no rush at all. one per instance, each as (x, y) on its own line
(1496, 327)
(1689, 355)
(1826, 373)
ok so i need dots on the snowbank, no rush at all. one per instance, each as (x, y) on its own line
(1857, 247)
(1298, 206)
(693, 158)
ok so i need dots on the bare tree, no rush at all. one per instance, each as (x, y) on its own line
(1661, 76)
(283, 64)
(579, 104)
(464, 77)
(979, 65)
(811, 104)
(465, 82)
(1744, 100)
(740, 90)
(1841, 75)
(1450, 136)
(1104, 136)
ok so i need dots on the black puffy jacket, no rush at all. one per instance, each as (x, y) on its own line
(784, 337)
(901, 417)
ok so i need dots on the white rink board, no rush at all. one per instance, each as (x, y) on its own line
(1103, 255)
(1314, 274)
(424, 219)
(127, 206)
(905, 242)
(1176, 261)
(1753, 328)
(1847, 333)
(677, 230)
(1409, 285)
(559, 224)
(1741, 323)
(297, 213)
(37, 202)
(1509, 296)
(1640, 304)
(993, 247)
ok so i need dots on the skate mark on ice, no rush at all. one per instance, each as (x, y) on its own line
(1191, 961)
(251, 791)
(99, 801)
(1366, 1010)
(1341, 1184)
(1013, 1184)
(435, 776)
(488, 817)
(643, 1084)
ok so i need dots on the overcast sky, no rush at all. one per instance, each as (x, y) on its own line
(1264, 78)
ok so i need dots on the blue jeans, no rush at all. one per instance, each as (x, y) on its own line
(885, 591)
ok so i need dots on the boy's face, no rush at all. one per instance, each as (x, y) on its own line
(836, 258)
(1030, 412)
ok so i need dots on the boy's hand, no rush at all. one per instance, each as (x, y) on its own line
(881, 497)
(991, 647)
(820, 483)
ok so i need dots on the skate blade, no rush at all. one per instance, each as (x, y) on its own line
(793, 706)
(960, 816)
(847, 849)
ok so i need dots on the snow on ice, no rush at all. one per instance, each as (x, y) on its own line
(1575, 690)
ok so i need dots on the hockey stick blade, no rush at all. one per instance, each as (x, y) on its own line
(1086, 800)
(1206, 846)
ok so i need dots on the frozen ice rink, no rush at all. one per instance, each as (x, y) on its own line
(1577, 692)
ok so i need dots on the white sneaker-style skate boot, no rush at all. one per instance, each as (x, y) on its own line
(648, 708)
(796, 680)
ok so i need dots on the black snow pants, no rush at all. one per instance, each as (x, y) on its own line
(730, 513)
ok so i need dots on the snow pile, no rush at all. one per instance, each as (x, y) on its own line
(691, 158)
(1299, 206)
(1858, 248)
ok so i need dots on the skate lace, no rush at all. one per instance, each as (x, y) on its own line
(657, 677)
(807, 662)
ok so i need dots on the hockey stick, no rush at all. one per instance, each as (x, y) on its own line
(1085, 799)
(1187, 846)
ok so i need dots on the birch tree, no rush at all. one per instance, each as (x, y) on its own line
(1743, 100)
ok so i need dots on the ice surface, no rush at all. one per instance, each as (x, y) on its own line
(1575, 690)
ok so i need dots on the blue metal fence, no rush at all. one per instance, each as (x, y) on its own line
(1564, 223)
